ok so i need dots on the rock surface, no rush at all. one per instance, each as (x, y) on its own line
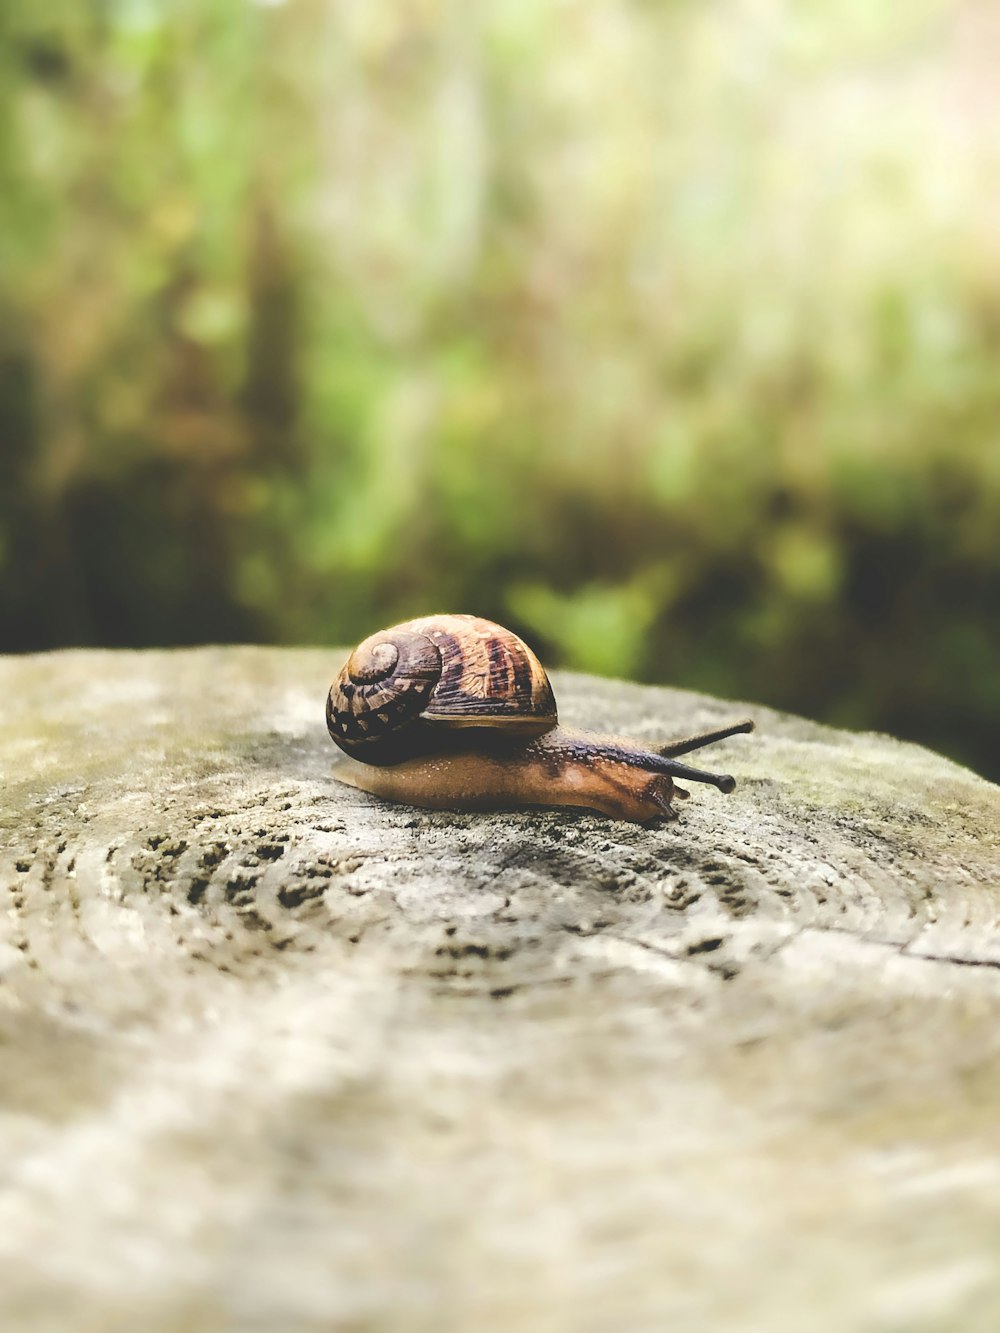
(274, 1056)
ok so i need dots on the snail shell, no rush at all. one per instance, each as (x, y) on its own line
(404, 686)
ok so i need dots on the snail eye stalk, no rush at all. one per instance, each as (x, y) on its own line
(723, 781)
(673, 748)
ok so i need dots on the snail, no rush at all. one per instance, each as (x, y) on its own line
(455, 712)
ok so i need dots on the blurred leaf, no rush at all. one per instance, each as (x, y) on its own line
(600, 628)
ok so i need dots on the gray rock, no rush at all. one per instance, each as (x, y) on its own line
(275, 1056)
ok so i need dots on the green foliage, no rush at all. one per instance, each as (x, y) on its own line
(666, 332)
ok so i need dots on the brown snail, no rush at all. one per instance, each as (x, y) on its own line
(454, 712)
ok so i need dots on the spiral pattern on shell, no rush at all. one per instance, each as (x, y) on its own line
(384, 685)
(438, 672)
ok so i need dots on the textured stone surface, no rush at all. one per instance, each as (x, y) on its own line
(276, 1056)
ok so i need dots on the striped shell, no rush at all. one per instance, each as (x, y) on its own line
(403, 685)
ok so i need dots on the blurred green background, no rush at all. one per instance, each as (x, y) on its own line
(666, 333)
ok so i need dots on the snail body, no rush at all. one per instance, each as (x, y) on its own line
(455, 712)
